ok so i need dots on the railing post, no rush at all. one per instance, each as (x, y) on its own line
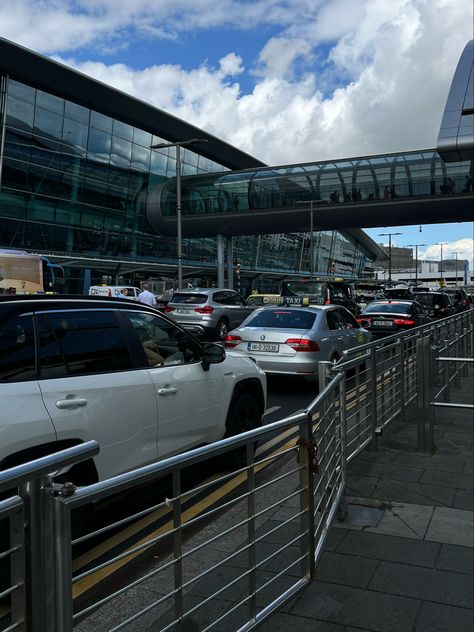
(464, 350)
(37, 566)
(307, 496)
(373, 398)
(402, 377)
(324, 368)
(424, 387)
(59, 515)
(457, 367)
(342, 508)
(446, 375)
(177, 550)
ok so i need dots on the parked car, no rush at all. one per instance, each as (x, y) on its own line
(384, 318)
(293, 340)
(320, 291)
(398, 293)
(436, 304)
(74, 369)
(459, 298)
(210, 312)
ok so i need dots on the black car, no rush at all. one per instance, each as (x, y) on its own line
(383, 318)
(459, 298)
(320, 291)
(436, 304)
(399, 293)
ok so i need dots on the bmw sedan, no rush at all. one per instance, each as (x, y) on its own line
(384, 318)
(293, 340)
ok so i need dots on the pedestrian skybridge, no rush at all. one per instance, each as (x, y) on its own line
(417, 187)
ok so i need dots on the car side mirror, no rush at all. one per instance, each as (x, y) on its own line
(212, 354)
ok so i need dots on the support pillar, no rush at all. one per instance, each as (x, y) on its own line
(229, 248)
(220, 261)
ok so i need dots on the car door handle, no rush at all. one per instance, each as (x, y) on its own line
(167, 390)
(73, 402)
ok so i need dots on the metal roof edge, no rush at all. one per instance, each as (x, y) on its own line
(366, 241)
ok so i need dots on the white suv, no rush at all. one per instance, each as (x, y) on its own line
(79, 368)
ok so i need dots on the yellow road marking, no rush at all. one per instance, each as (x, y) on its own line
(91, 580)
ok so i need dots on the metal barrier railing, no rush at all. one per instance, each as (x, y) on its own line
(225, 564)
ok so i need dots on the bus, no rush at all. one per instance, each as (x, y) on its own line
(24, 272)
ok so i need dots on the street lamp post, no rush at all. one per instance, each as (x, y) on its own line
(441, 244)
(416, 259)
(455, 253)
(179, 227)
(311, 236)
(389, 235)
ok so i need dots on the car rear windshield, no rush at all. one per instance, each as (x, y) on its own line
(188, 297)
(394, 308)
(303, 288)
(282, 319)
(430, 300)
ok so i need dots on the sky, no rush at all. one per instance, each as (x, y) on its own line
(287, 81)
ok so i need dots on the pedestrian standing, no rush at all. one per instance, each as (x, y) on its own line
(146, 296)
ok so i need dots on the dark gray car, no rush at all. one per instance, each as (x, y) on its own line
(210, 312)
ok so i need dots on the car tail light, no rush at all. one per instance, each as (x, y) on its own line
(232, 341)
(207, 309)
(303, 344)
(401, 322)
(169, 309)
(363, 319)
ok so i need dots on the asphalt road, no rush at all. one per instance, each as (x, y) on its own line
(287, 395)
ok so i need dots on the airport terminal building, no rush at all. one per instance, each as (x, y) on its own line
(78, 181)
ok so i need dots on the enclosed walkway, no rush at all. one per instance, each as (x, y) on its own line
(394, 189)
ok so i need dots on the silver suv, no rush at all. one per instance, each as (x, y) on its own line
(211, 312)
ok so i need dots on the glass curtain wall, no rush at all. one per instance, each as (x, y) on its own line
(75, 181)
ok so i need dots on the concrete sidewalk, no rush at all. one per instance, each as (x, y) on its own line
(402, 561)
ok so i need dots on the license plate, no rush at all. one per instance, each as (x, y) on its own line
(382, 323)
(263, 346)
(181, 310)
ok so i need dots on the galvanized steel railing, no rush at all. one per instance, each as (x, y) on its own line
(254, 538)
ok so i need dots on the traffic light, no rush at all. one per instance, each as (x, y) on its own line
(442, 283)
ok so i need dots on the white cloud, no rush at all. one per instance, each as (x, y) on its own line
(464, 248)
(341, 78)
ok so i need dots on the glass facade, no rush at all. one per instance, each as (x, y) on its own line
(74, 181)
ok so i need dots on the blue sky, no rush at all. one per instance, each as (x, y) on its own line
(287, 81)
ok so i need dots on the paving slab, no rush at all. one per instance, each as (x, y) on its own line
(440, 618)
(346, 569)
(451, 526)
(459, 559)
(366, 609)
(454, 589)
(415, 493)
(406, 521)
(390, 548)
(283, 622)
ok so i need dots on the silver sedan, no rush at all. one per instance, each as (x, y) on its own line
(293, 340)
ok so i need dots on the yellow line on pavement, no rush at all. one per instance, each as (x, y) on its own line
(91, 580)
